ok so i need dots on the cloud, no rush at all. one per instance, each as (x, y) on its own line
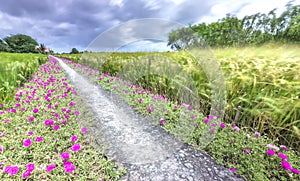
(71, 23)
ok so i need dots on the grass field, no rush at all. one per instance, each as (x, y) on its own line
(15, 69)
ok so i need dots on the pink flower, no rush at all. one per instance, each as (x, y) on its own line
(247, 151)
(31, 118)
(162, 121)
(151, 108)
(76, 147)
(286, 165)
(27, 142)
(272, 147)
(11, 170)
(257, 134)
(193, 117)
(284, 147)
(64, 122)
(175, 107)
(212, 130)
(26, 174)
(50, 167)
(189, 107)
(69, 167)
(213, 125)
(140, 100)
(74, 138)
(233, 169)
(56, 127)
(76, 113)
(270, 152)
(48, 122)
(1, 148)
(39, 139)
(282, 156)
(211, 117)
(236, 128)
(206, 121)
(248, 136)
(30, 133)
(295, 171)
(30, 167)
(35, 110)
(65, 155)
(84, 130)
(72, 104)
(222, 125)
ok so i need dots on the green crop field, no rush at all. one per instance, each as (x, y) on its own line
(15, 69)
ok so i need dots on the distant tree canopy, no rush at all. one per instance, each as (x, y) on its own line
(19, 44)
(74, 51)
(251, 30)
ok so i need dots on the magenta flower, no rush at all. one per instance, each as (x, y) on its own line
(286, 165)
(257, 134)
(211, 117)
(74, 138)
(64, 122)
(69, 167)
(30, 167)
(35, 110)
(27, 142)
(31, 118)
(30, 133)
(270, 152)
(175, 107)
(83, 130)
(284, 147)
(56, 127)
(1, 148)
(233, 169)
(151, 108)
(50, 167)
(11, 170)
(247, 151)
(236, 128)
(39, 139)
(76, 147)
(212, 130)
(282, 156)
(65, 155)
(193, 117)
(222, 125)
(76, 113)
(189, 107)
(48, 122)
(26, 174)
(295, 171)
(72, 104)
(140, 100)
(206, 121)
(213, 125)
(162, 121)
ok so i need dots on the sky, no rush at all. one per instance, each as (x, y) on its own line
(64, 24)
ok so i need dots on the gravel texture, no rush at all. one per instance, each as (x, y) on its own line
(136, 142)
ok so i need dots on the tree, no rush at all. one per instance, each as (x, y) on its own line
(21, 44)
(74, 51)
(3, 46)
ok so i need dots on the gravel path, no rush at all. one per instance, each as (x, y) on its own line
(148, 151)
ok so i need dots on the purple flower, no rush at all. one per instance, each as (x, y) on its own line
(213, 125)
(83, 130)
(69, 167)
(206, 120)
(270, 152)
(286, 165)
(11, 170)
(50, 167)
(1, 148)
(30, 167)
(222, 125)
(31, 118)
(282, 156)
(30, 133)
(48, 122)
(257, 134)
(76, 147)
(64, 122)
(76, 113)
(295, 171)
(27, 142)
(39, 139)
(233, 169)
(140, 100)
(189, 107)
(26, 174)
(162, 121)
(56, 127)
(65, 155)
(72, 104)
(175, 107)
(247, 151)
(74, 138)
(151, 108)
(35, 110)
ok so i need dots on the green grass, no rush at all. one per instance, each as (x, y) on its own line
(15, 69)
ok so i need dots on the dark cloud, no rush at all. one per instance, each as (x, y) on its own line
(77, 23)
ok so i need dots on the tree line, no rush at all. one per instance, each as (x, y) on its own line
(21, 43)
(255, 29)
